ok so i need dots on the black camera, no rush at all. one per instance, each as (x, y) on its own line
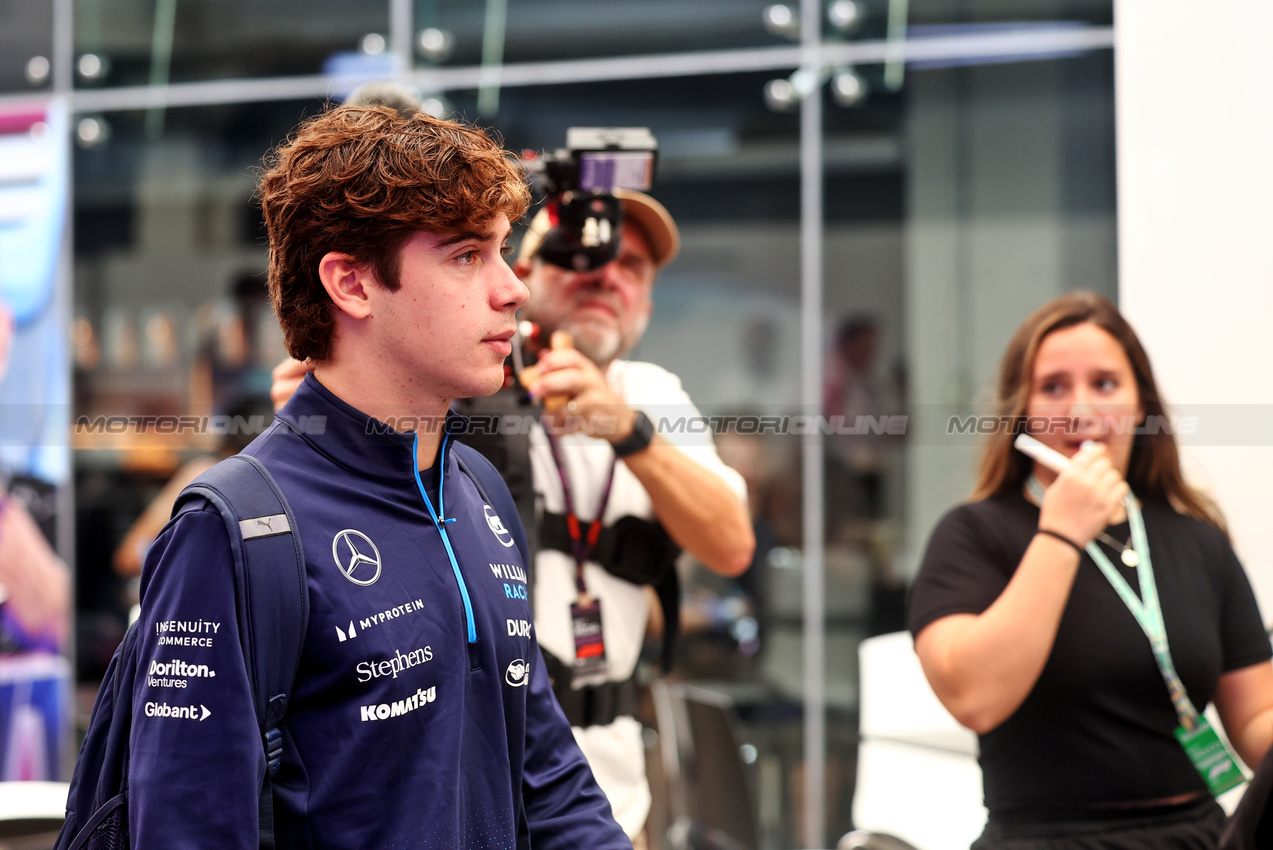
(579, 184)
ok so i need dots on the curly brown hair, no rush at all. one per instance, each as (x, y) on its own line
(361, 180)
(1154, 469)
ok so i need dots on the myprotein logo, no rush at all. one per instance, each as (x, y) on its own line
(368, 670)
(518, 673)
(386, 710)
(502, 534)
(344, 633)
(357, 556)
(178, 712)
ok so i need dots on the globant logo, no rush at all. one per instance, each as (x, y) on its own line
(181, 712)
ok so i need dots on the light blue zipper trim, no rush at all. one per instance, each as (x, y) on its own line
(441, 525)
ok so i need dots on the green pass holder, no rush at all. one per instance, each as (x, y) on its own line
(1211, 758)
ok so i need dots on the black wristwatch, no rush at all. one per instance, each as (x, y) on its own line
(642, 434)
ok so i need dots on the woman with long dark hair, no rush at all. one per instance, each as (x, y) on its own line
(1079, 621)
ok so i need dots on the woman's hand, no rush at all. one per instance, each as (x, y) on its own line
(1084, 498)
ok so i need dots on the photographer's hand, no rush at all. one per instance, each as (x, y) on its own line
(593, 407)
(698, 509)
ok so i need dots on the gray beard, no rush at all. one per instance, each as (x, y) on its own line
(599, 346)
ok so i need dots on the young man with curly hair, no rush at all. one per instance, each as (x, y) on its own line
(421, 715)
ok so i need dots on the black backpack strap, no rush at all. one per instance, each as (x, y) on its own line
(508, 449)
(495, 493)
(273, 597)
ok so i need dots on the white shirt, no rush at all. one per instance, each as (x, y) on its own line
(616, 752)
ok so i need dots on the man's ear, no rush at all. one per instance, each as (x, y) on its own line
(347, 283)
(522, 268)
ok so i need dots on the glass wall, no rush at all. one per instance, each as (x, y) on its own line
(964, 152)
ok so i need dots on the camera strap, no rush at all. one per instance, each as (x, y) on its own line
(590, 666)
(581, 544)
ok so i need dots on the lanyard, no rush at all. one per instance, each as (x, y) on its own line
(580, 544)
(1145, 608)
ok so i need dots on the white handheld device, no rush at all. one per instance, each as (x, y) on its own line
(1049, 457)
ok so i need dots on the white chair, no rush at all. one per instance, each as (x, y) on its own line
(917, 773)
(31, 814)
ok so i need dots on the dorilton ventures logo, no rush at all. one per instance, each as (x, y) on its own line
(180, 668)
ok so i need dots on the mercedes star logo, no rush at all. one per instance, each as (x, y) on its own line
(357, 557)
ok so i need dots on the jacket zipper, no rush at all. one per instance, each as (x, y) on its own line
(440, 522)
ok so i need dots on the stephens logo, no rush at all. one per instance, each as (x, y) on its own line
(502, 534)
(368, 670)
(357, 557)
(518, 673)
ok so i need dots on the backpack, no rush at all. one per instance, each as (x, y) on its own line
(272, 595)
(272, 598)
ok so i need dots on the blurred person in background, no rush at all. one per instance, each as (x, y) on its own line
(35, 586)
(1079, 633)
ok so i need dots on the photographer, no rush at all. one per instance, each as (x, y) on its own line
(656, 489)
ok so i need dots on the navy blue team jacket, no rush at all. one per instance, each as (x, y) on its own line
(422, 716)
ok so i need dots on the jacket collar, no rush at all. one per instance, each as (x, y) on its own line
(361, 443)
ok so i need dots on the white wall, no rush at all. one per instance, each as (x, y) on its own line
(1195, 210)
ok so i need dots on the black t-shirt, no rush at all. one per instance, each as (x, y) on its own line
(1097, 729)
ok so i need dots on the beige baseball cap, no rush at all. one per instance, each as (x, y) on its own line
(639, 208)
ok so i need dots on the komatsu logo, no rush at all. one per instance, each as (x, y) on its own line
(385, 710)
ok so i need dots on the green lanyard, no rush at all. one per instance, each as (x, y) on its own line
(1213, 760)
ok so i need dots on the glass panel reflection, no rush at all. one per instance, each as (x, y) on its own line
(26, 46)
(161, 41)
